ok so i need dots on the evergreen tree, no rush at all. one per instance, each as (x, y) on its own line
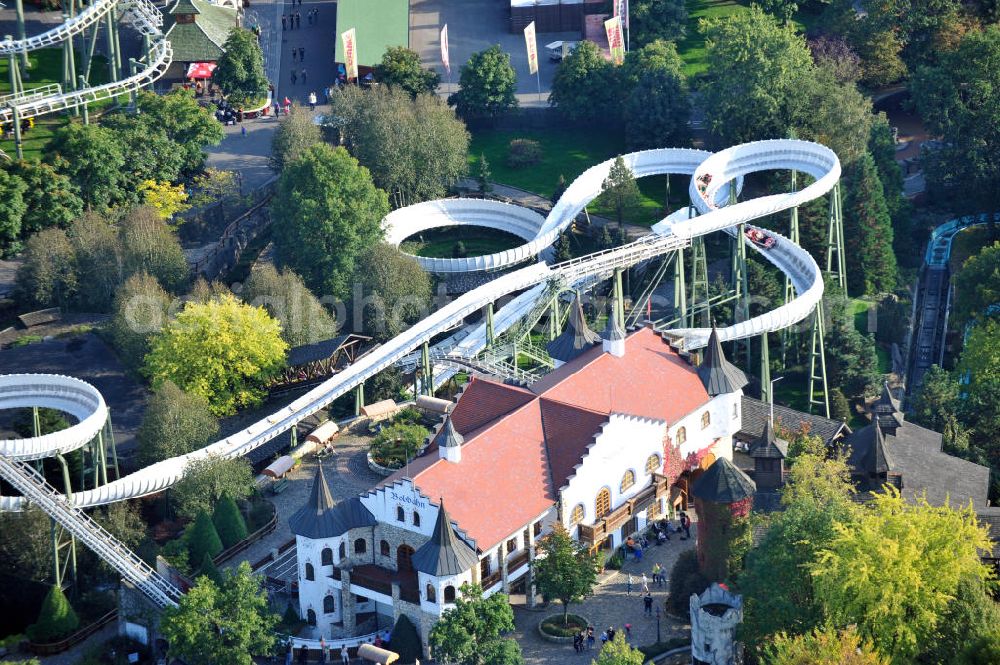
(401, 67)
(56, 618)
(202, 539)
(483, 176)
(840, 409)
(620, 191)
(228, 521)
(406, 640)
(563, 251)
(209, 569)
(604, 240)
(560, 188)
(486, 86)
(240, 72)
(871, 263)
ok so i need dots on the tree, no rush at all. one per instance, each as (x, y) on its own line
(882, 147)
(756, 66)
(823, 646)
(619, 652)
(483, 176)
(56, 618)
(202, 539)
(871, 263)
(240, 71)
(285, 296)
(12, 210)
(851, 361)
(392, 291)
(561, 247)
(685, 579)
(26, 546)
(98, 252)
(229, 522)
(840, 408)
(406, 640)
(472, 632)
(50, 197)
(833, 113)
(209, 570)
(816, 499)
(977, 287)
(203, 291)
(175, 423)
(560, 188)
(657, 56)
(47, 276)
(971, 615)
(486, 85)
(650, 20)
(585, 87)
(983, 651)
(123, 521)
(415, 148)
(980, 410)
(400, 67)
(91, 157)
(223, 350)
(148, 245)
(936, 406)
(166, 199)
(620, 191)
(833, 52)
(326, 211)
(149, 153)
(894, 570)
(657, 112)
(208, 479)
(221, 624)
(880, 51)
(191, 127)
(959, 100)
(140, 310)
(295, 134)
(565, 569)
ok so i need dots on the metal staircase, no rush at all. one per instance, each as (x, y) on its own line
(32, 485)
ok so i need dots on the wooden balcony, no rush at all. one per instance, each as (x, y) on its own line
(518, 560)
(594, 534)
(380, 580)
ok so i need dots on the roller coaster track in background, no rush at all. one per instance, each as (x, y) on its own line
(142, 15)
(672, 234)
(933, 302)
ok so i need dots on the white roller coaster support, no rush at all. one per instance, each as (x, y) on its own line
(817, 160)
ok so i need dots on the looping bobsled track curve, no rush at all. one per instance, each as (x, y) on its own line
(142, 15)
(674, 233)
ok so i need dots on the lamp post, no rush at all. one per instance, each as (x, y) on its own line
(657, 624)
(770, 397)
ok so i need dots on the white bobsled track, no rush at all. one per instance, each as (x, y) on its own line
(725, 166)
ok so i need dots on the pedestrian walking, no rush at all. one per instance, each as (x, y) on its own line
(288, 105)
(315, 16)
(577, 642)
(647, 604)
(303, 76)
(590, 637)
(295, 77)
(302, 54)
(243, 130)
(628, 585)
(322, 651)
(298, 20)
(686, 525)
(611, 634)
(604, 638)
(312, 101)
(645, 583)
(344, 656)
(656, 574)
(628, 632)
(282, 21)
(277, 108)
(295, 53)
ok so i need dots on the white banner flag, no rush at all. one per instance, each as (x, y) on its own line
(350, 54)
(445, 59)
(616, 41)
(529, 41)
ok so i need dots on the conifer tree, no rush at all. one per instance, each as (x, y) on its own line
(562, 247)
(620, 190)
(202, 539)
(209, 570)
(871, 263)
(55, 619)
(406, 640)
(483, 176)
(228, 521)
(560, 188)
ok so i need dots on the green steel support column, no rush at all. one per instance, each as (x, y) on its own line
(14, 71)
(490, 335)
(835, 261)
(555, 329)
(765, 371)
(103, 457)
(86, 108)
(619, 310)
(69, 65)
(133, 66)
(425, 363)
(359, 399)
(21, 34)
(36, 422)
(56, 572)
(147, 44)
(817, 352)
(701, 313)
(113, 15)
(88, 54)
(680, 289)
(95, 455)
(110, 46)
(839, 218)
(16, 121)
(68, 490)
(786, 334)
(293, 434)
(114, 448)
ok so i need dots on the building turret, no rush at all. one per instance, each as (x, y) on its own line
(450, 442)
(575, 339)
(445, 554)
(718, 374)
(613, 337)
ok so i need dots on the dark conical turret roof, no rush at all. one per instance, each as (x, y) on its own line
(614, 331)
(320, 518)
(445, 553)
(886, 410)
(182, 7)
(723, 483)
(869, 452)
(450, 436)
(577, 338)
(718, 375)
(769, 445)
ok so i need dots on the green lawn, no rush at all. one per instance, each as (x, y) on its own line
(440, 243)
(859, 309)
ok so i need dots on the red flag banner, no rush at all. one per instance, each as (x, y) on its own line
(445, 57)
(350, 53)
(529, 42)
(616, 41)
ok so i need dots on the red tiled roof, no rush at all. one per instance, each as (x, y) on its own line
(521, 446)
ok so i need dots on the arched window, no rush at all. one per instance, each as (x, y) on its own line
(431, 594)
(602, 504)
(628, 480)
(310, 573)
(576, 516)
(404, 557)
(400, 514)
(383, 548)
(706, 419)
(329, 605)
(343, 551)
(449, 594)
(360, 546)
(311, 618)
(327, 557)
(652, 463)
(682, 436)
(416, 518)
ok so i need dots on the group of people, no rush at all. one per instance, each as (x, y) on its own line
(228, 114)
(325, 651)
(585, 639)
(293, 20)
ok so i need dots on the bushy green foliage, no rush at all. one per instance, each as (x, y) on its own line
(295, 134)
(202, 539)
(303, 318)
(473, 631)
(523, 152)
(240, 71)
(871, 263)
(823, 646)
(175, 423)
(566, 570)
(395, 445)
(208, 480)
(395, 291)
(401, 67)
(209, 569)
(406, 640)
(486, 85)
(56, 618)
(619, 652)
(685, 579)
(229, 522)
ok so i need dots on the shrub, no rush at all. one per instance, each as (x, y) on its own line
(685, 579)
(554, 625)
(209, 570)
(396, 444)
(229, 522)
(458, 251)
(523, 152)
(56, 618)
(202, 539)
(615, 562)
(406, 640)
(176, 554)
